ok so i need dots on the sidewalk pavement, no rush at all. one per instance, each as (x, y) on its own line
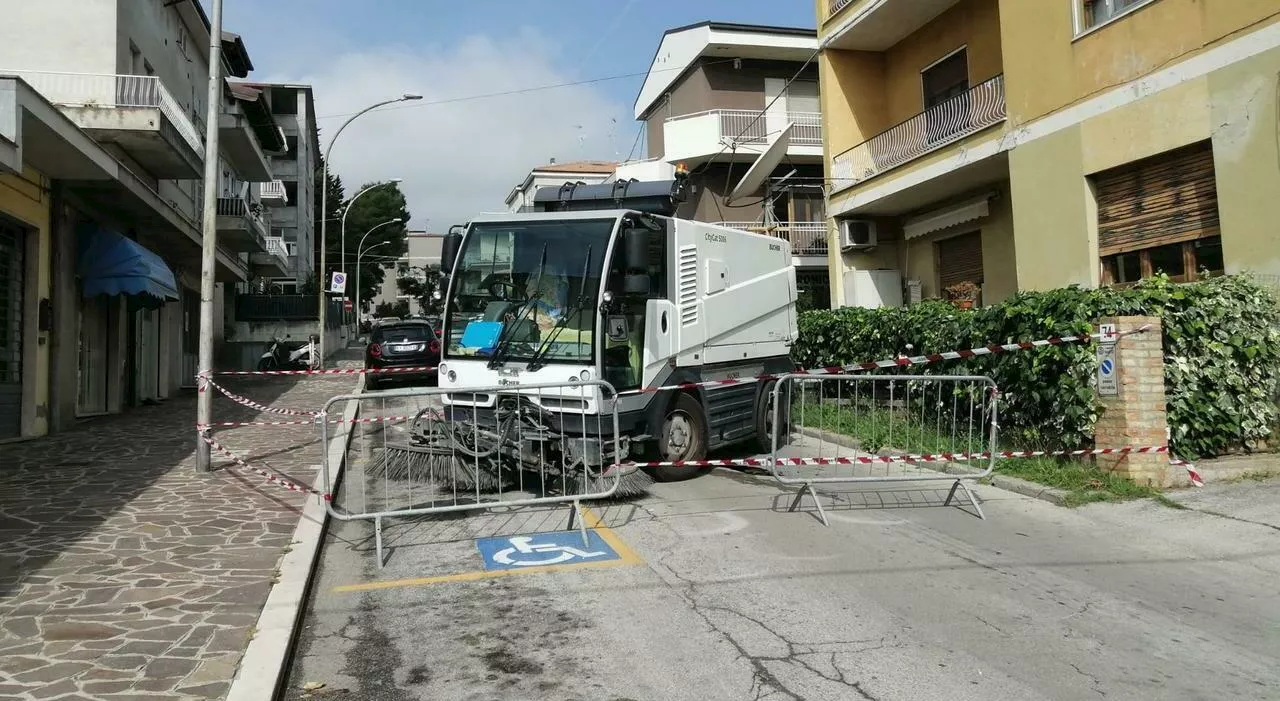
(123, 570)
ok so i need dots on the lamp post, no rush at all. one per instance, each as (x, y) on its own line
(324, 209)
(342, 250)
(359, 253)
(209, 242)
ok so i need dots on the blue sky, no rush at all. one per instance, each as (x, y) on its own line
(461, 158)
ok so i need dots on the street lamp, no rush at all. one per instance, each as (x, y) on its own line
(360, 253)
(324, 208)
(342, 250)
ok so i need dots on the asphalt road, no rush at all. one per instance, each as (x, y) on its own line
(720, 593)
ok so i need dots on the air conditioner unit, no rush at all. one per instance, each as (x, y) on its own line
(857, 234)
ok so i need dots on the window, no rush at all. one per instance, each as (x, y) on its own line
(1095, 13)
(291, 191)
(1182, 262)
(284, 100)
(946, 78)
(960, 260)
(291, 149)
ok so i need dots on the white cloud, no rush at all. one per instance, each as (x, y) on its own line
(461, 158)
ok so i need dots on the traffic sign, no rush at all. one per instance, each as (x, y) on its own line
(543, 549)
(1108, 385)
(338, 283)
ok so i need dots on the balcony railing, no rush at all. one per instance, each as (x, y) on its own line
(274, 192)
(807, 238)
(277, 246)
(114, 92)
(969, 112)
(251, 211)
(834, 6)
(752, 127)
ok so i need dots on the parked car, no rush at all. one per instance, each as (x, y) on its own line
(402, 344)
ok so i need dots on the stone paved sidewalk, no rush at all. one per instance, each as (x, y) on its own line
(127, 574)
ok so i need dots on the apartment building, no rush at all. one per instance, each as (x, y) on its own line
(1022, 145)
(102, 107)
(553, 174)
(291, 195)
(420, 258)
(737, 105)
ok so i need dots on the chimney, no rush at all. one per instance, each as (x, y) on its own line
(553, 160)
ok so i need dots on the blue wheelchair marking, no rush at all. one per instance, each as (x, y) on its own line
(542, 549)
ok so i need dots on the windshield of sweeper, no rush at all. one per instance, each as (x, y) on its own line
(517, 281)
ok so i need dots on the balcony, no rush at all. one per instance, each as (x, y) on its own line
(807, 238)
(273, 263)
(273, 194)
(239, 143)
(970, 112)
(134, 112)
(876, 25)
(702, 135)
(242, 226)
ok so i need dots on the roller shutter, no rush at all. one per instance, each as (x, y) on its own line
(960, 259)
(12, 242)
(1157, 201)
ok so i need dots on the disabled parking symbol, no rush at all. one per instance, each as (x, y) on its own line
(543, 549)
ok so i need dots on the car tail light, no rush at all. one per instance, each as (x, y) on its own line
(375, 350)
(434, 346)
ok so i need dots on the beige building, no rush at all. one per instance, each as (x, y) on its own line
(421, 258)
(1032, 145)
(553, 174)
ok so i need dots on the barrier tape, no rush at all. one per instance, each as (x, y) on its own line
(310, 422)
(245, 401)
(925, 457)
(905, 361)
(335, 371)
(271, 477)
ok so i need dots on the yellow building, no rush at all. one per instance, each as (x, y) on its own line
(1023, 144)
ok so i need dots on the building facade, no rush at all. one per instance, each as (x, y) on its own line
(1022, 145)
(101, 158)
(737, 106)
(555, 174)
(422, 258)
(292, 194)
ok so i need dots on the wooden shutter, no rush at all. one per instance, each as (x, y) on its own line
(960, 259)
(1157, 201)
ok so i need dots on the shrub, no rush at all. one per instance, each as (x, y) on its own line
(1221, 346)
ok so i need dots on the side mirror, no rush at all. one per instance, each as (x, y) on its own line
(635, 285)
(449, 251)
(635, 246)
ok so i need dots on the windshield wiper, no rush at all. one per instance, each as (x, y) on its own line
(539, 356)
(502, 345)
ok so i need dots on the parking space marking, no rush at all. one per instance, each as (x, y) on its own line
(625, 556)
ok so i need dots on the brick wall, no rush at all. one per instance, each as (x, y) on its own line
(1137, 415)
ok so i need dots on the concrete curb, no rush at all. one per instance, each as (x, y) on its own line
(1016, 485)
(262, 667)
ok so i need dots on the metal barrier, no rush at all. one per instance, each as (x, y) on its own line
(426, 450)
(883, 428)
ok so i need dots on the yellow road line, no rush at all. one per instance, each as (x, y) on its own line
(626, 556)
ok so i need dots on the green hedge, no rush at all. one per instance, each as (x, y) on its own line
(1221, 346)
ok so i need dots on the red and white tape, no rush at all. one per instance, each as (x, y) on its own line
(924, 457)
(905, 361)
(254, 405)
(271, 477)
(335, 371)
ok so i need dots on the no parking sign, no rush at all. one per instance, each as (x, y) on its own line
(338, 283)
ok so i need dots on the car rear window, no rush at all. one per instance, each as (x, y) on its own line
(404, 333)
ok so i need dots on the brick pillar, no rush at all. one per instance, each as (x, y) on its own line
(1136, 415)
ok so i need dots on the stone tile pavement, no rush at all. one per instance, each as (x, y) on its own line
(127, 574)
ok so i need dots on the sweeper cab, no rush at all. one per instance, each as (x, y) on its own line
(602, 284)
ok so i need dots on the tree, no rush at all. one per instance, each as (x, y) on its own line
(379, 205)
(332, 212)
(399, 309)
(422, 288)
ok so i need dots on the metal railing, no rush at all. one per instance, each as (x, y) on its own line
(112, 92)
(253, 213)
(834, 6)
(969, 112)
(807, 238)
(274, 190)
(252, 307)
(752, 127)
(889, 429)
(433, 450)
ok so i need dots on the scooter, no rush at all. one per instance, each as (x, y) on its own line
(277, 357)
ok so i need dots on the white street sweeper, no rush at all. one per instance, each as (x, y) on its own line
(601, 284)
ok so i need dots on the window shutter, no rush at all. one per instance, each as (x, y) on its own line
(960, 259)
(1161, 200)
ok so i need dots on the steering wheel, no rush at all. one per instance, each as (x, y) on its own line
(502, 288)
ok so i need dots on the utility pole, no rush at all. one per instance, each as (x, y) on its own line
(209, 240)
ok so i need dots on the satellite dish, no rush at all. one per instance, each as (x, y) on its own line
(764, 165)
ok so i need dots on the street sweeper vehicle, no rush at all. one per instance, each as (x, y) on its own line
(601, 287)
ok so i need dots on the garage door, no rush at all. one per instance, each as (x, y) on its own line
(11, 249)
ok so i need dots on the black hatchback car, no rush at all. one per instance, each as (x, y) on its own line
(402, 344)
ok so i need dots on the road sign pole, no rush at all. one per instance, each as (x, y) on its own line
(209, 242)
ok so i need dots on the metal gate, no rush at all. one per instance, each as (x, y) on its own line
(411, 454)
(899, 429)
(12, 248)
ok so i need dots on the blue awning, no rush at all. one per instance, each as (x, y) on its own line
(110, 264)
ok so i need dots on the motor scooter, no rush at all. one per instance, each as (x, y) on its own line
(278, 357)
